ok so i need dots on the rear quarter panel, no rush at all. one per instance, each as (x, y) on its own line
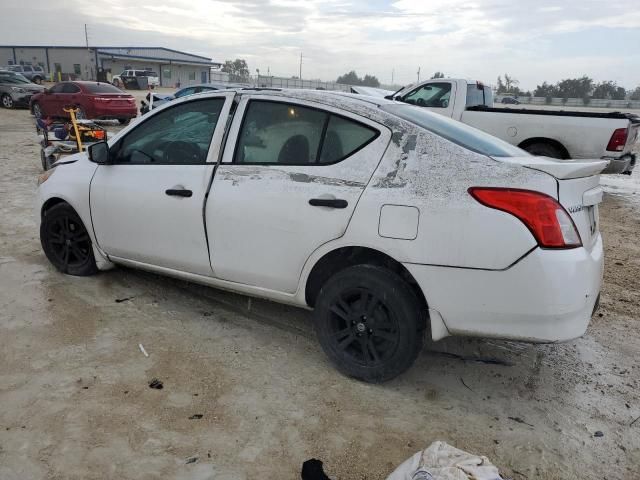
(429, 173)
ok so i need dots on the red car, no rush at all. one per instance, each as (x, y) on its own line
(94, 100)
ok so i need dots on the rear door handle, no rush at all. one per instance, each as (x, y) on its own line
(176, 192)
(328, 202)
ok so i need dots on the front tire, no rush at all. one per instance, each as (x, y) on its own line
(369, 323)
(66, 242)
(7, 101)
(36, 110)
(37, 80)
(124, 121)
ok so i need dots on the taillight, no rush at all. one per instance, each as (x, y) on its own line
(546, 219)
(618, 140)
(101, 99)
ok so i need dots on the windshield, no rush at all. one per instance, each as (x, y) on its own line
(13, 78)
(102, 88)
(456, 132)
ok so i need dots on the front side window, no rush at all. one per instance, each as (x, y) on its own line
(434, 95)
(180, 135)
(281, 133)
(27, 68)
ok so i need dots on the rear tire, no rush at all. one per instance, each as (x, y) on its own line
(66, 242)
(541, 149)
(124, 121)
(369, 323)
(7, 101)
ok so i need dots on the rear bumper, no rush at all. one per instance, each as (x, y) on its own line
(548, 296)
(623, 164)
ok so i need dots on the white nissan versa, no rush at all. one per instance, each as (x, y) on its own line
(386, 219)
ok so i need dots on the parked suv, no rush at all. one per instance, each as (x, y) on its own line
(16, 90)
(35, 73)
(121, 80)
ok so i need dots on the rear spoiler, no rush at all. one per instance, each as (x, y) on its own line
(560, 169)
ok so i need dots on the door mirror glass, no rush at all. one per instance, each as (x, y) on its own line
(99, 153)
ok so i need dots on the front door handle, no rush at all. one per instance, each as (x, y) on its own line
(328, 202)
(178, 192)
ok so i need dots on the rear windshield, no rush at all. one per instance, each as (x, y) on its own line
(13, 78)
(456, 132)
(101, 88)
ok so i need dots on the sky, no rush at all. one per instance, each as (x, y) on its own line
(531, 40)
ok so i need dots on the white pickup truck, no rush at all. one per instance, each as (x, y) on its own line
(552, 133)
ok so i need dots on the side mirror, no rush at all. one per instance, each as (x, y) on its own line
(99, 153)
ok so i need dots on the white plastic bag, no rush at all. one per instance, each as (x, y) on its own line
(441, 461)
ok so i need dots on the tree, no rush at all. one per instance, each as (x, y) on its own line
(609, 90)
(575, 87)
(510, 84)
(500, 87)
(438, 75)
(237, 69)
(352, 78)
(546, 90)
(635, 95)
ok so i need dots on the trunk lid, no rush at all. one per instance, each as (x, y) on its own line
(579, 190)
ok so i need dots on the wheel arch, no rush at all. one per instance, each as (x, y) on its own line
(548, 141)
(52, 202)
(343, 257)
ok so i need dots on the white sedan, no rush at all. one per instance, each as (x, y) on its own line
(387, 220)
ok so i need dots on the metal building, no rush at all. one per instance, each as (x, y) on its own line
(68, 62)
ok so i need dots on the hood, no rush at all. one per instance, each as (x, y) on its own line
(560, 169)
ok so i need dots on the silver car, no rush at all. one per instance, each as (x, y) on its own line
(16, 90)
(35, 73)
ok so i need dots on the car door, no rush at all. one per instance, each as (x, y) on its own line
(51, 102)
(147, 206)
(70, 96)
(291, 175)
(436, 96)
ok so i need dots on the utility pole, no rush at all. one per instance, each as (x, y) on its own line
(300, 74)
(393, 71)
(86, 36)
(418, 74)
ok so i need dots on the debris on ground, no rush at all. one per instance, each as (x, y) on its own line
(197, 416)
(125, 299)
(520, 420)
(441, 461)
(193, 459)
(598, 434)
(312, 470)
(143, 350)
(157, 384)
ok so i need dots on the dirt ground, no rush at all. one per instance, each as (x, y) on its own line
(75, 401)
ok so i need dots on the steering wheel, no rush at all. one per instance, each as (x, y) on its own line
(182, 152)
(444, 103)
(421, 102)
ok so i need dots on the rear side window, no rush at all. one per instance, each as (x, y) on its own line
(343, 138)
(102, 88)
(290, 134)
(479, 95)
(456, 132)
(70, 88)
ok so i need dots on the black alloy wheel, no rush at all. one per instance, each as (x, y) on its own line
(370, 323)
(66, 242)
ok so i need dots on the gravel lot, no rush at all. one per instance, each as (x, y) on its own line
(75, 401)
